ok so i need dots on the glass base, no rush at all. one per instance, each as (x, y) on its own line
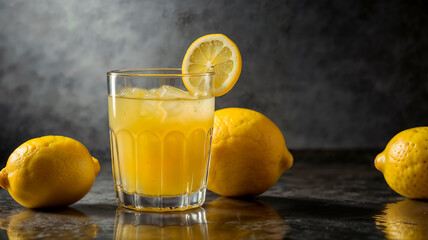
(159, 204)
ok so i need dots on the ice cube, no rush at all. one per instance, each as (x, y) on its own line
(132, 92)
(171, 108)
(160, 92)
(124, 92)
(169, 92)
(148, 108)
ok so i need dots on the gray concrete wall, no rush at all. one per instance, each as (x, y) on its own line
(330, 74)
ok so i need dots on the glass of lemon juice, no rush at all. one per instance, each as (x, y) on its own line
(160, 135)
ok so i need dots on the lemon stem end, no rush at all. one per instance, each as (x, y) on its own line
(4, 181)
(97, 166)
(287, 160)
(379, 162)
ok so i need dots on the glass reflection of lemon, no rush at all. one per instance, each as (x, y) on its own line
(407, 219)
(131, 224)
(230, 218)
(66, 223)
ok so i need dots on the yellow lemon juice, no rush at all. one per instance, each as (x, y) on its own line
(160, 140)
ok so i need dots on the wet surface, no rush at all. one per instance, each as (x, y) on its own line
(336, 195)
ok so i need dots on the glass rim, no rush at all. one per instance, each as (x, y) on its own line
(132, 72)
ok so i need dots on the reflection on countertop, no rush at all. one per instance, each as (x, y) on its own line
(223, 218)
(243, 219)
(130, 224)
(67, 223)
(405, 219)
(326, 195)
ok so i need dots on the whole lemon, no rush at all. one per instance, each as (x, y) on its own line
(404, 163)
(248, 153)
(50, 171)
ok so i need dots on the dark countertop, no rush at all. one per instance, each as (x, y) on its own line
(326, 194)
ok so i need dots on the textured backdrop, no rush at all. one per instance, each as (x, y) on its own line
(330, 74)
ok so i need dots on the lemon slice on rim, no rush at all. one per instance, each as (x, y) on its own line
(213, 53)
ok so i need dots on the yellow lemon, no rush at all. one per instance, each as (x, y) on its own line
(213, 53)
(248, 153)
(404, 163)
(49, 171)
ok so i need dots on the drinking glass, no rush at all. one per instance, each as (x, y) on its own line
(160, 136)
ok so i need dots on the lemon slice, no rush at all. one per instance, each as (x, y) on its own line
(213, 53)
